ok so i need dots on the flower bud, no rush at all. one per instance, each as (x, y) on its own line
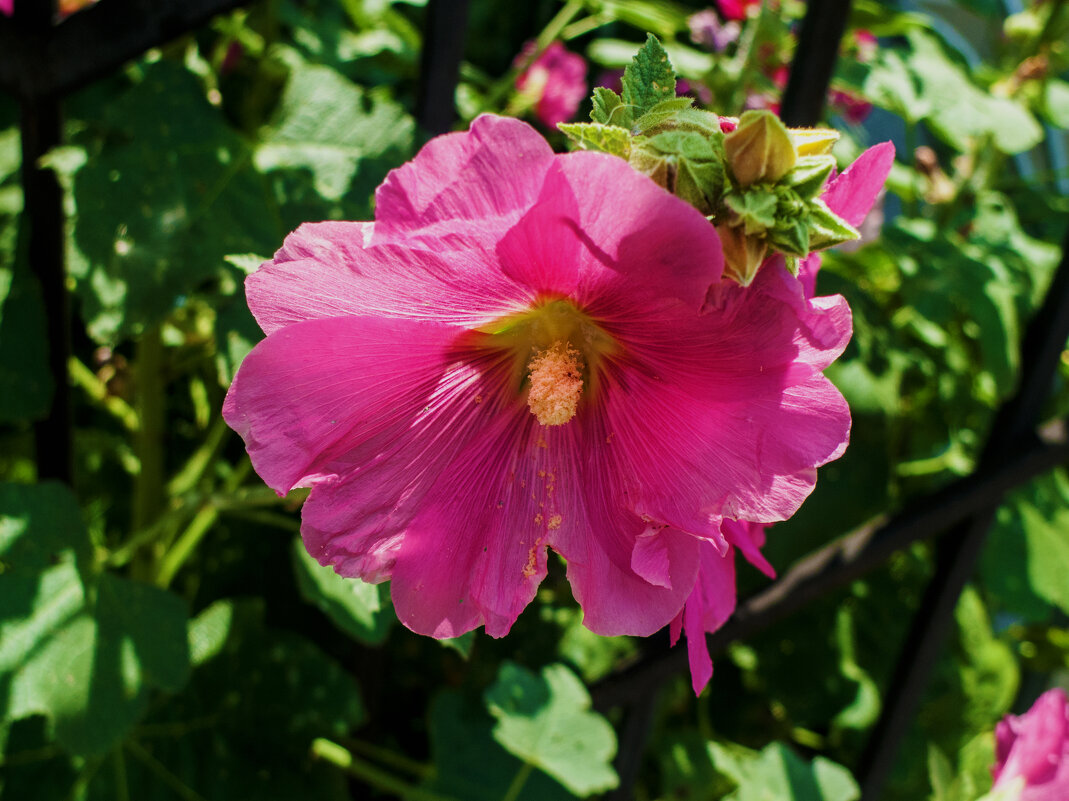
(743, 254)
(760, 148)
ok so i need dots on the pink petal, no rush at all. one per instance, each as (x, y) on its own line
(851, 194)
(749, 538)
(453, 287)
(650, 559)
(709, 606)
(312, 393)
(464, 187)
(1035, 746)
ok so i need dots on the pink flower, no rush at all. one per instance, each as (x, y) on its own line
(737, 9)
(529, 351)
(850, 195)
(853, 108)
(1032, 751)
(7, 7)
(557, 79)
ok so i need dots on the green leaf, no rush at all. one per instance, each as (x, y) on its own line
(326, 124)
(469, 765)
(826, 228)
(244, 726)
(168, 191)
(359, 609)
(609, 109)
(546, 721)
(597, 137)
(777, 773)
(809, 174)
(649, 78)
(25, 383)
(82, 652)
(1056, 102)
(862, 712)
(665, 111)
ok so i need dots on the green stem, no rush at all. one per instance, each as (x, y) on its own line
(518, 781)
(389, 757)
(191, 473)
(369, 774)
(200, 525)
(585, 25)
(122, 786)
(148, 485)
(180, 787)
(97, 390)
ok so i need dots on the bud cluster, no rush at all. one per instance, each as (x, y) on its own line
(756, 180)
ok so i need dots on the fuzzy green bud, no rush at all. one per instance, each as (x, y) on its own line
(743, 254)
(760, 148)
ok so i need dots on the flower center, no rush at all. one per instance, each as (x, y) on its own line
(556, 383)
(556, 352)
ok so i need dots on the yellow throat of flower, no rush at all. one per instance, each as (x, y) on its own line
(556, 352)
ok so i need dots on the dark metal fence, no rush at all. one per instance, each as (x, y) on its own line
(42, 60)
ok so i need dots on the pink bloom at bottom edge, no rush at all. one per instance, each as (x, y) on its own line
(529, 351)
(558, 79)
(1033, 749)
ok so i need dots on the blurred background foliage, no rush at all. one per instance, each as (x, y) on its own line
(164, 636)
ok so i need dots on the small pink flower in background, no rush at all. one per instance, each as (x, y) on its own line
(737, 9)
(853, 108)
(851, 196)
(529, 351)
(866, 45)
(706, 30)
(1032, 752)
(611, 79)
(7, 7)
(557, 79)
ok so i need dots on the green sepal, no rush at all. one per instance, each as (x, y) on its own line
(755, 208)
(791, 237)
(686, 163)
(826, 228)
(601, 138)
(608, 108)
(809, 175)
(649, 78)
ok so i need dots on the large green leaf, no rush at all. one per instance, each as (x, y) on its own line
(469, 765)
(327, 125)
(167, 190)
(81, 648)
(546, 721)
(25, 383)
(361, 610)
(778, 774)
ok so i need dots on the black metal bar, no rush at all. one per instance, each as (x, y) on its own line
(848, 558)
(443, 49)
(40, 129)
(814, 62)
(959, 552)
(57, 59)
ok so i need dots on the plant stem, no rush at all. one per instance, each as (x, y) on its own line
(390, 757)
(518, 781)
(193, 470)
(369, 774)
(97, 390)
(200, 525)
(148, 484)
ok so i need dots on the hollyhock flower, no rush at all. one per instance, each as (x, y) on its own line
(737, 9)
(556, 80)
(706, 30)
(853, 108)
(850, 195)
(1032, 752)
(7, 7)
(529, 351)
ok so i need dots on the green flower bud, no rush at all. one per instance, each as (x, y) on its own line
(742, 254)
(760, 148)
